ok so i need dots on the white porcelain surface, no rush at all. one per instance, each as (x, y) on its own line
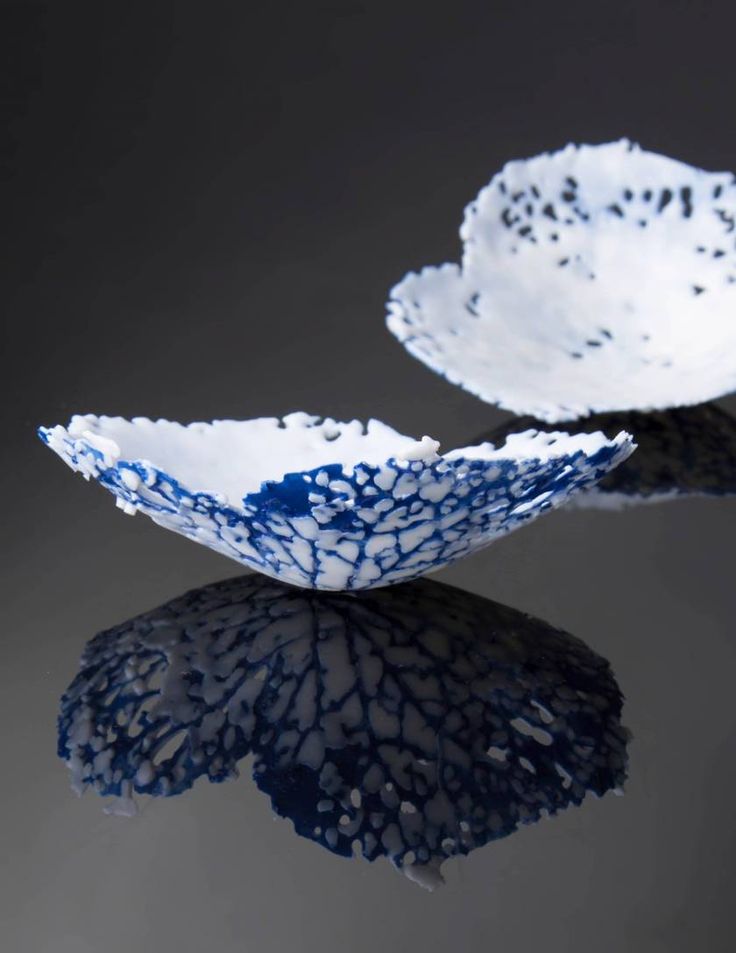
(595, 278)
(330, 505)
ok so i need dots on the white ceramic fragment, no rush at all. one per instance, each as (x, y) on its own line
(595, 278)
(330, 505)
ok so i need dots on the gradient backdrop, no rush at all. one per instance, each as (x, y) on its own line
(205, 205)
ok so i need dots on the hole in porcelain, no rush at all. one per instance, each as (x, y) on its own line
(524, 727)
(496, 753)
(169, 748)
(594, 278)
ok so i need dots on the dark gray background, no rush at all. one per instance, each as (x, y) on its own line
(204, 207)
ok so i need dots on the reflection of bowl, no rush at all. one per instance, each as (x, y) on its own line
(595, 278)
(686, 451)
(329, 505)
(417, 722)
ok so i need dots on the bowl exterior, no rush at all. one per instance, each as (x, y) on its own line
(375, 526)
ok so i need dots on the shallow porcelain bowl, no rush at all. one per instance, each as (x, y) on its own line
(593, 279)
(329, 505)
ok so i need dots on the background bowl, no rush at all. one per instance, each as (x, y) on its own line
(595, 278)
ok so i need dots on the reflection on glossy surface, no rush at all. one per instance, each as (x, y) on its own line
(416, 722)
(592, 278)
(687, 451)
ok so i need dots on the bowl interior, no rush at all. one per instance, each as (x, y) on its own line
(234, 457)
(595, 278)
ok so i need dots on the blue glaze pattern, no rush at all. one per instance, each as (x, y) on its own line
(345, 528)
(416, 723)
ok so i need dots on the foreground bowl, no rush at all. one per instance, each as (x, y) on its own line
(328, 505)
(593, 279)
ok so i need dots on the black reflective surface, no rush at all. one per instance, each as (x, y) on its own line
(204, 214)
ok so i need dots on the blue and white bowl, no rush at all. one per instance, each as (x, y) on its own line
(593, 279)
(328, 505)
